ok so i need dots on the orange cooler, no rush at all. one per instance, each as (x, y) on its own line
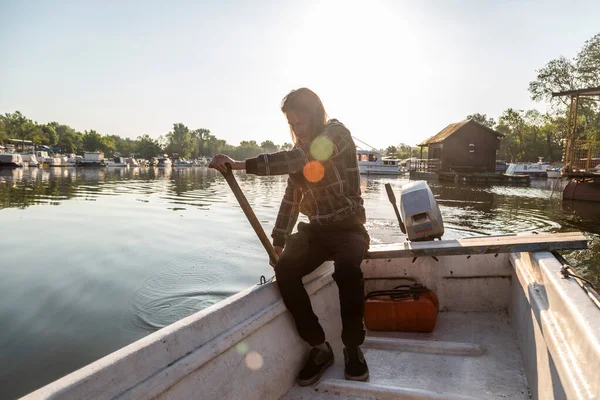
(406, 308)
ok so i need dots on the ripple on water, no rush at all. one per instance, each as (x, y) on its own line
(188, 284)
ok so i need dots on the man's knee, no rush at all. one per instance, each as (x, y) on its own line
(347, 269)
(285, 270)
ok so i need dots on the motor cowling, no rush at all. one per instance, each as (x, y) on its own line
(420, 212)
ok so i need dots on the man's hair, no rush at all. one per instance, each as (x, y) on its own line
(306, 102)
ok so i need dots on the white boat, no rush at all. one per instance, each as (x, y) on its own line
(30, 160)
(11, 160)
(510, 327)
(116, 162)
(165, 162)
(132, 162)
(92, 159)
(73, 160)
(534, 170)
(182, 163)
(201, 162)
(371, 162)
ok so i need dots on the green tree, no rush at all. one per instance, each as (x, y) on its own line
(69, 140)
(391, 151)
(108, 145)
(287, 146)
(48, 135)
(587, 62)
(148, 147)
(17, 126)
(3, 135)
(512, 124)
(563, 74)
(92, 141)
(483, 119)
(269, 147)
(180, 140)
(404, 151)
(198, 138)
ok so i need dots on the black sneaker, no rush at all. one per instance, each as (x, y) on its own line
(356, 366)
(318, 361)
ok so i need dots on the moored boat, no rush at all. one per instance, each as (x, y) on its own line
(164, 162)
(92, 159)
(371, 162)
(512, 325)
(180, 162)
(30, 160)
(116, 162)
(11, 160)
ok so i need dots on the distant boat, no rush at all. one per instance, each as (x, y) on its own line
(554, 173)
(534, 170)
(30, 160)
(11, 160)
(116, 162)
(182, 163)
(165, 162)
(371, 162)
(132, 162)
(92, 159)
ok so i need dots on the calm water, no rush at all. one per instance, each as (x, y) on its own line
(92, 260)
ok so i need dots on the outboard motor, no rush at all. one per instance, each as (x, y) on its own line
(419, 216)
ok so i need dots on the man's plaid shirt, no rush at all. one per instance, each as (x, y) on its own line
(331, 195)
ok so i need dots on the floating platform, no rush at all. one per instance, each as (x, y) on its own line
(423, 176)
(582, 190)
(485, 178)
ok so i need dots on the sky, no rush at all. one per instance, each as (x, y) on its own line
(392, 71)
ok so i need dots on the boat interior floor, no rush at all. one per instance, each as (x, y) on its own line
(472, 355)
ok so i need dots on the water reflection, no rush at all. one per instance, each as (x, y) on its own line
(97, 258)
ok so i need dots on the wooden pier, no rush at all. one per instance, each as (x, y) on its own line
(484, 178)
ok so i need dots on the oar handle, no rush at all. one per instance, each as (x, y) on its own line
(392, 199)
(239, 195)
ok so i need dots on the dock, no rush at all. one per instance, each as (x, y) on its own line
(484, 178)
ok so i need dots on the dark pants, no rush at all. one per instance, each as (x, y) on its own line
(303, 253)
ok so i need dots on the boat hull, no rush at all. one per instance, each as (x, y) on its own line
(493, 304)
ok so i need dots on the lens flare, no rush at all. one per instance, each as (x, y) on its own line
(241, 347)
(254, 360)
(321, 148)
(314, 171)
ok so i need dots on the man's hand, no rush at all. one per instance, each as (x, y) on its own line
(220, 160)
(278, 251)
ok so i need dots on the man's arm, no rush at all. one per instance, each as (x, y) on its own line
(335, 141)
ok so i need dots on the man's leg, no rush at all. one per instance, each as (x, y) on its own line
(301, 255)
(348, 249)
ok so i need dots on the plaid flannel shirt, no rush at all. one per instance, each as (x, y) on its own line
(332, 193)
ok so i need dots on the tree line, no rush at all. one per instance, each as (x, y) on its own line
(181, 141)
(529, 134)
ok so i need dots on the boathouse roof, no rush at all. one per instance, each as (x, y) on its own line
(453, 128)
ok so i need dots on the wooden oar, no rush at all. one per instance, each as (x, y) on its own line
(239, 195)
